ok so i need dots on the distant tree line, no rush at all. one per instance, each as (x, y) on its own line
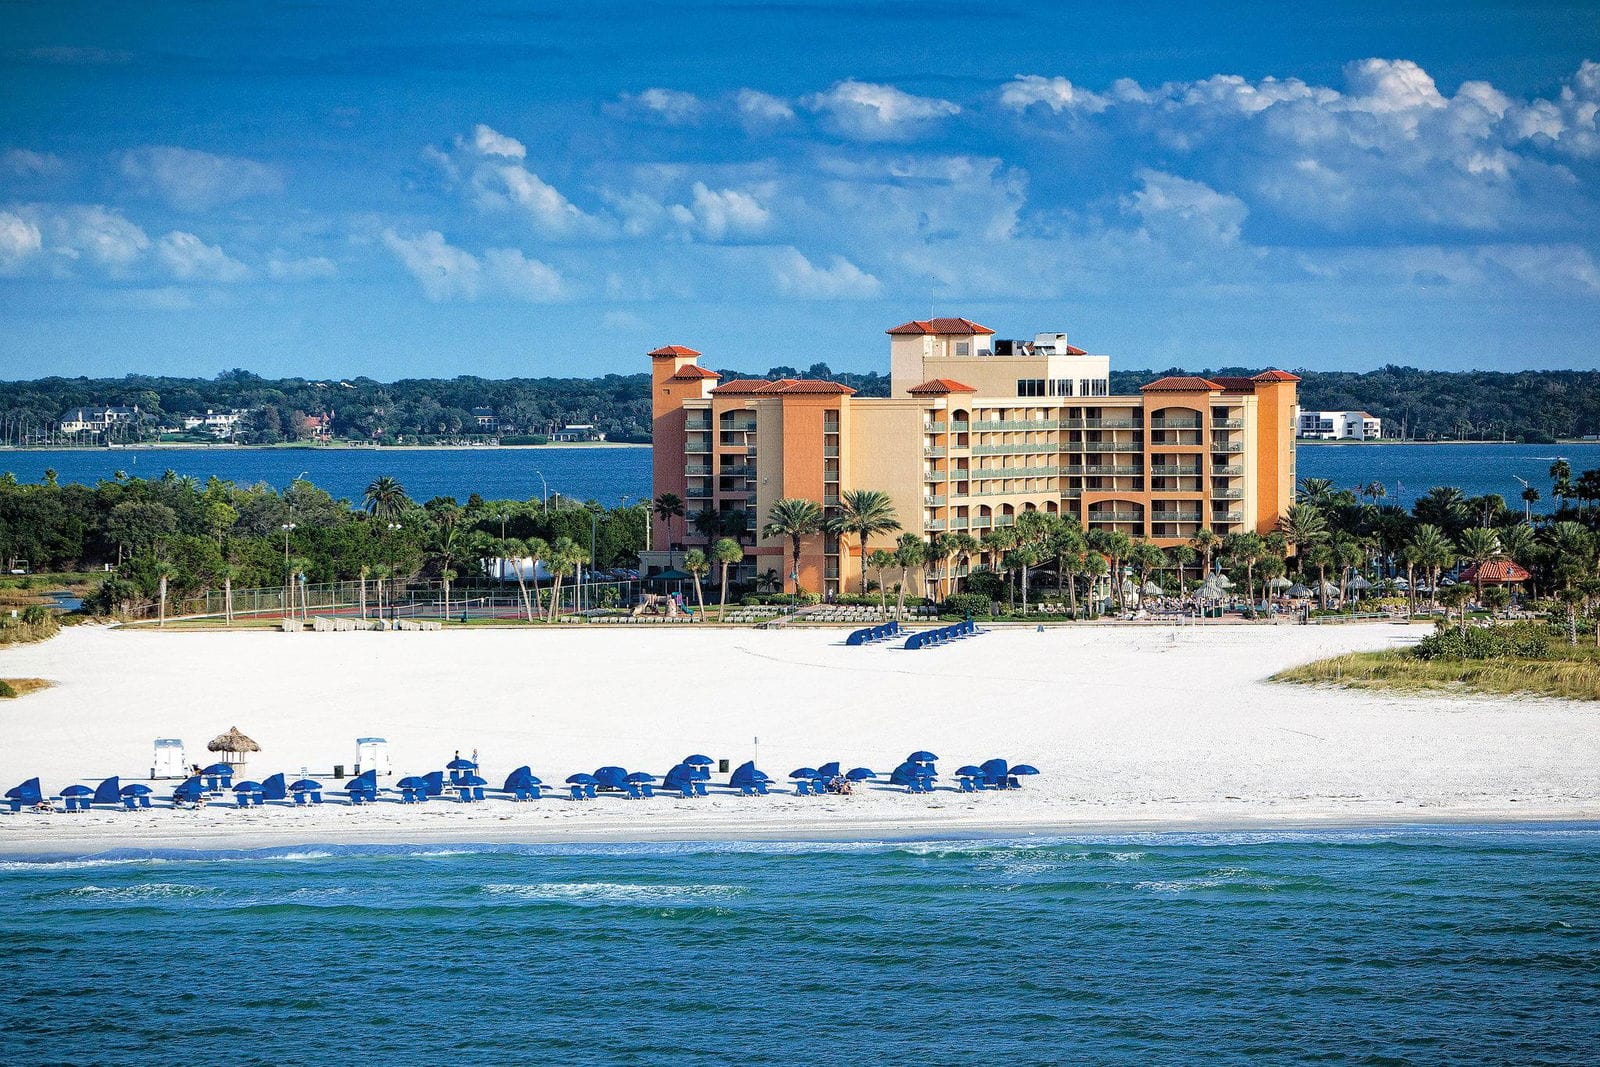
(1535, 406)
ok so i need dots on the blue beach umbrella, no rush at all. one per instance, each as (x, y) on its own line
(274, 789)
(218, 768)
(191, 790)
(247, 787)
(860, 774)
(459, 764)
(969, 771)
(412, 782)
(641, 777)
(135, 789)
(434, 781)
(611, 777)
(1024, 768)
(697, 761)
(803, 772)
(78, 791)
(306, 785)
(471, 780)
(995, 768)
(582, 779)
(28, 792)
(921, 757)
(109, 791)
(521, 778)
(829, 770)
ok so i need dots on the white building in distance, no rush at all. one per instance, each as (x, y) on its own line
(1338, 426)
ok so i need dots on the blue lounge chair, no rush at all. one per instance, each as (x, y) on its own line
(806, 780)
(135, 795)
(29, 793)
(1021, 770)
(968, 778)
(433, 784)
(363, 788)
(522, 785)
(683, 780)
(306, 791)
(748, 780)
(274, 788)
(191, 792)
(469, 788)
(76, 797)
(611, 778)
(413, 790)
(583, 786)
(218, 778)
(459, 768)
(995, 774)
(247, 794)
(109, 792)
(640, 785)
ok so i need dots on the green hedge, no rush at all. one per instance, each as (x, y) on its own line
(1522, 640)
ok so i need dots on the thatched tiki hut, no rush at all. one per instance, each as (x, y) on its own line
(233, 745)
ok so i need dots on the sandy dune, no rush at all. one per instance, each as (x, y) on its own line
(1130, 725)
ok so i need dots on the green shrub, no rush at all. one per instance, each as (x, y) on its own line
(6, 692)
(1521, 640)
(967, 604)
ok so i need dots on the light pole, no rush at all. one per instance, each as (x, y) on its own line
(1527, 505)
(288, 579)
(544, 486)
(392, 528)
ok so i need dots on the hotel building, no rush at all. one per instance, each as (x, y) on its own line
(975, 432)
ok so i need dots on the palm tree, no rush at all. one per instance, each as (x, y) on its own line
(1182, 557)
(696, 563)
(446, 576)
(1433, 553)
(164, 571)
(909, 552)
(1315, 490)
(669, 506)
(707, 523)
(966, 546)
(1478, 546)
(1095, 568)
(998, 544)
(940, 547)
(1560, 481)
(726, 552)
(1530, 497)
(795, 518)
(1347, 553)
(1456, 597)
(1321, 556)
(1144, 558)
(565, 557)
(380, 574)
(880, 561)
(1302, 526)
(229, 574)
(511, 551)
(1246, 548)
(536, 549)
(385, 498)
(863, 513)
(1114, 545)
(1205, 543)
(1065, 542)
(299, 567)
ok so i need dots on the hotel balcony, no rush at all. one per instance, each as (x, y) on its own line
(697, 444)
(982, 473)
(830, 500)
(1227, 446)
(1018, 424)
(930, 452)
(737, 471)
(1227, 470)
(960, 427)
(933, 524)
(1115, 516)
(959, 523)
(1101, 424)
(1227, 516)
(1174, 424)
(697, 492)
(1173, 470)
(1227, 424)
(697, 425)
(1104, 446)
(1227, 494)
(1102, 468)
(1175, 516)
(830, 451)
(696, 470)
(934, 500)
(1019, 449)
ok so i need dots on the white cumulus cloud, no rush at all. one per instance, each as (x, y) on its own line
(20, 240)
(867, 111)
(795, 275)
(756, 107)
(490, 142)
(190, 180)
(1057, 94)
(671, 106)
(284, 268)
(188, 258)
(447, 272)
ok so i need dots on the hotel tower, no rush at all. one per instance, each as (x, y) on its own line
(975, 432)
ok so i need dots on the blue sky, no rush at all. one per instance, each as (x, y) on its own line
(406, 189)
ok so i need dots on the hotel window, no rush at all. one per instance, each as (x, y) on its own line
(1097, 387)
(1030, 387)
(1060, 386)
(963, 348)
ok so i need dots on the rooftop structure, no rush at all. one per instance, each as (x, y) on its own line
(975, 432)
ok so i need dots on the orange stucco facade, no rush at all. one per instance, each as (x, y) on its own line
(974, 433)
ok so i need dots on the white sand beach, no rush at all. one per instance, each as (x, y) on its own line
(1131, 727)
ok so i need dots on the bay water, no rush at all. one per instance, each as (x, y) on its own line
(619, 475)
(1457, 945)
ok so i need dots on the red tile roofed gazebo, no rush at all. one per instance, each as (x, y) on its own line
(1495, 572)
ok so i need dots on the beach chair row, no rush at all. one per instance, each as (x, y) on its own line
(943, 635)
(873, 634)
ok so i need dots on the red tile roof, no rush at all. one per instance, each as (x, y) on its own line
(674, 350)
(1275, 376)
(940, 387)
(741, 386)
(1071, 350)
(1501, 571)
(691, 373)
(1236, 385)
(953, 326)
(1181, 385)
(783, 386)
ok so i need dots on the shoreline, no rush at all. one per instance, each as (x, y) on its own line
(257, 838)
(197, 446)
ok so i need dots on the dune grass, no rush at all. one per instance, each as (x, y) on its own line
(1570, 673)
(11, 688)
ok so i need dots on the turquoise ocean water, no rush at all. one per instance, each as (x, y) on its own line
(609, 475)
(1477, 945)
